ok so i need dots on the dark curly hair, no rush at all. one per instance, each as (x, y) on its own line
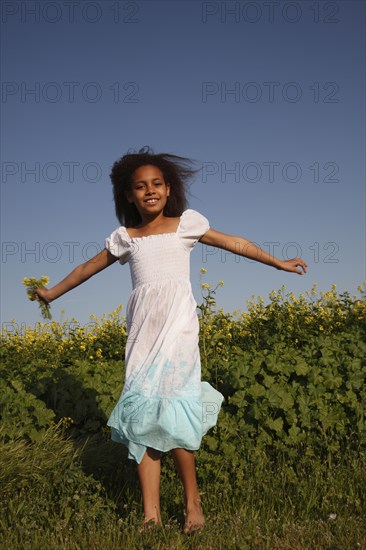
(176, 170)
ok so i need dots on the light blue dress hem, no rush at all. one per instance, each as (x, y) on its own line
(166, 423)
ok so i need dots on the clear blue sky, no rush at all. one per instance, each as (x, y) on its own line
(269, 99)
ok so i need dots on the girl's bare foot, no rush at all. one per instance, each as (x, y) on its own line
(195, 520)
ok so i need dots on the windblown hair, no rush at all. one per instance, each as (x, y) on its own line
(176, 170)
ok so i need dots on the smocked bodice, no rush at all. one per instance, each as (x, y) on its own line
(155, 258)
(164, 258)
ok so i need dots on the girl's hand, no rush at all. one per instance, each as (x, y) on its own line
(42, 294)
(290, 265)
(37, 291)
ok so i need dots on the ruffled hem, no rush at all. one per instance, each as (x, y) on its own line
(164, 423)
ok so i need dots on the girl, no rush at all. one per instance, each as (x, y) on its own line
(164, 406)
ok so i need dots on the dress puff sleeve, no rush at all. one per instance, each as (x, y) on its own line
(118, 244)
(192, 227)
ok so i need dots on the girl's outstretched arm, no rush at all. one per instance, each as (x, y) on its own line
(81, 273)
(248, 249)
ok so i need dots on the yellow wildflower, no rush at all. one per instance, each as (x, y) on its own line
(32, 283)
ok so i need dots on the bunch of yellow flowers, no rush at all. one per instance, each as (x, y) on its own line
(32, 284)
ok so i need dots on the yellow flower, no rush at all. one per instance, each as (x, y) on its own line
(32, 283)
(203, 270)
(205, 286)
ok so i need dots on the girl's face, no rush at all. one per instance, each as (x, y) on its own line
(148, 191)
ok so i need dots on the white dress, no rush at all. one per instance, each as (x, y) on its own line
(164, 404)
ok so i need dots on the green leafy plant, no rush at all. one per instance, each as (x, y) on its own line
(283, 468)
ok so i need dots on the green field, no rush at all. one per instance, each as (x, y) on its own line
(285, 467)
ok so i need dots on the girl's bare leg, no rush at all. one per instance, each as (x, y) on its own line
(149, 474)
(185, 464)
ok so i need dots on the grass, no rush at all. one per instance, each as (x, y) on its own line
(57, 495)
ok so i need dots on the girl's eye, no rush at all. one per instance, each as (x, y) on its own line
(156, 183)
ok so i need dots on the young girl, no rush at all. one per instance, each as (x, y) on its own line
(164, 406)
